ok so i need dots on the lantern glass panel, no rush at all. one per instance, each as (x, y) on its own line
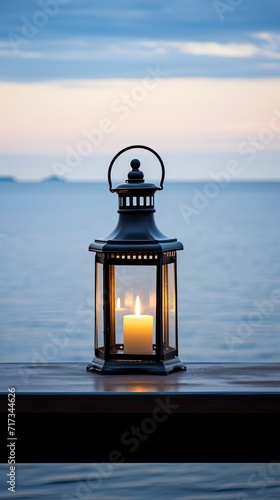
(134, 309)
(99, 302)
(169, 308)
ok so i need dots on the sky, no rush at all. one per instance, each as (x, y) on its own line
(196, 80)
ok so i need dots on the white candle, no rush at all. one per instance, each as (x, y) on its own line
(138, 332)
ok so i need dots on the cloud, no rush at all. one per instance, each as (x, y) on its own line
(271, 45)
(86, 48)
(7, 51)
(269, 48)
(204, 48)
(116, 57)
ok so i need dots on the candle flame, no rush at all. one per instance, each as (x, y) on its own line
(137, 306)
(118, 303)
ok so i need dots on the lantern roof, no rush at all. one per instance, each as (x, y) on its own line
(136, 229)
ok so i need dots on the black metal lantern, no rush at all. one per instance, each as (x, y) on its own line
(136, 285)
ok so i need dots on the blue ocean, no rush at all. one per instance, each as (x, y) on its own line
(228, 303)
(145, 481)
(228, 272)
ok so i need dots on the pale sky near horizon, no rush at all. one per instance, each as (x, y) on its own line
(198, 81)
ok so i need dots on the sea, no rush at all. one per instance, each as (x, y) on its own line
(228, 311)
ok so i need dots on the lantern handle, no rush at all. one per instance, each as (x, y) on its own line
(160, 187)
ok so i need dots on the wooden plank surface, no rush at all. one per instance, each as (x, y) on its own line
(73, 378)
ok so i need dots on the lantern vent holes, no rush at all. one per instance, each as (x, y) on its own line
(136, 201)
(133, 256)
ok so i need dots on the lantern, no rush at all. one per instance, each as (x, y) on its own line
(136, 284)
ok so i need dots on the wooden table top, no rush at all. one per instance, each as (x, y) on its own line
(212, 412)
(199, 378)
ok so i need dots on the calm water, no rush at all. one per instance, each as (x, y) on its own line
(229, 271)
(146, 482)
(229, 310)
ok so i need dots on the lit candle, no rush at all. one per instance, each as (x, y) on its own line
(138, 332)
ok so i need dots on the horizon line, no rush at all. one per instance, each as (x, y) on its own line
(54, 179)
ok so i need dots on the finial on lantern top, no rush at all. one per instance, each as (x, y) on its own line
(136, 175)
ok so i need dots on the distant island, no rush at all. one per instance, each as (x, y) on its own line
(7, 179)
(53, 178)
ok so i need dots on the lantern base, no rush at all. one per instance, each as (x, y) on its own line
(129, 367)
